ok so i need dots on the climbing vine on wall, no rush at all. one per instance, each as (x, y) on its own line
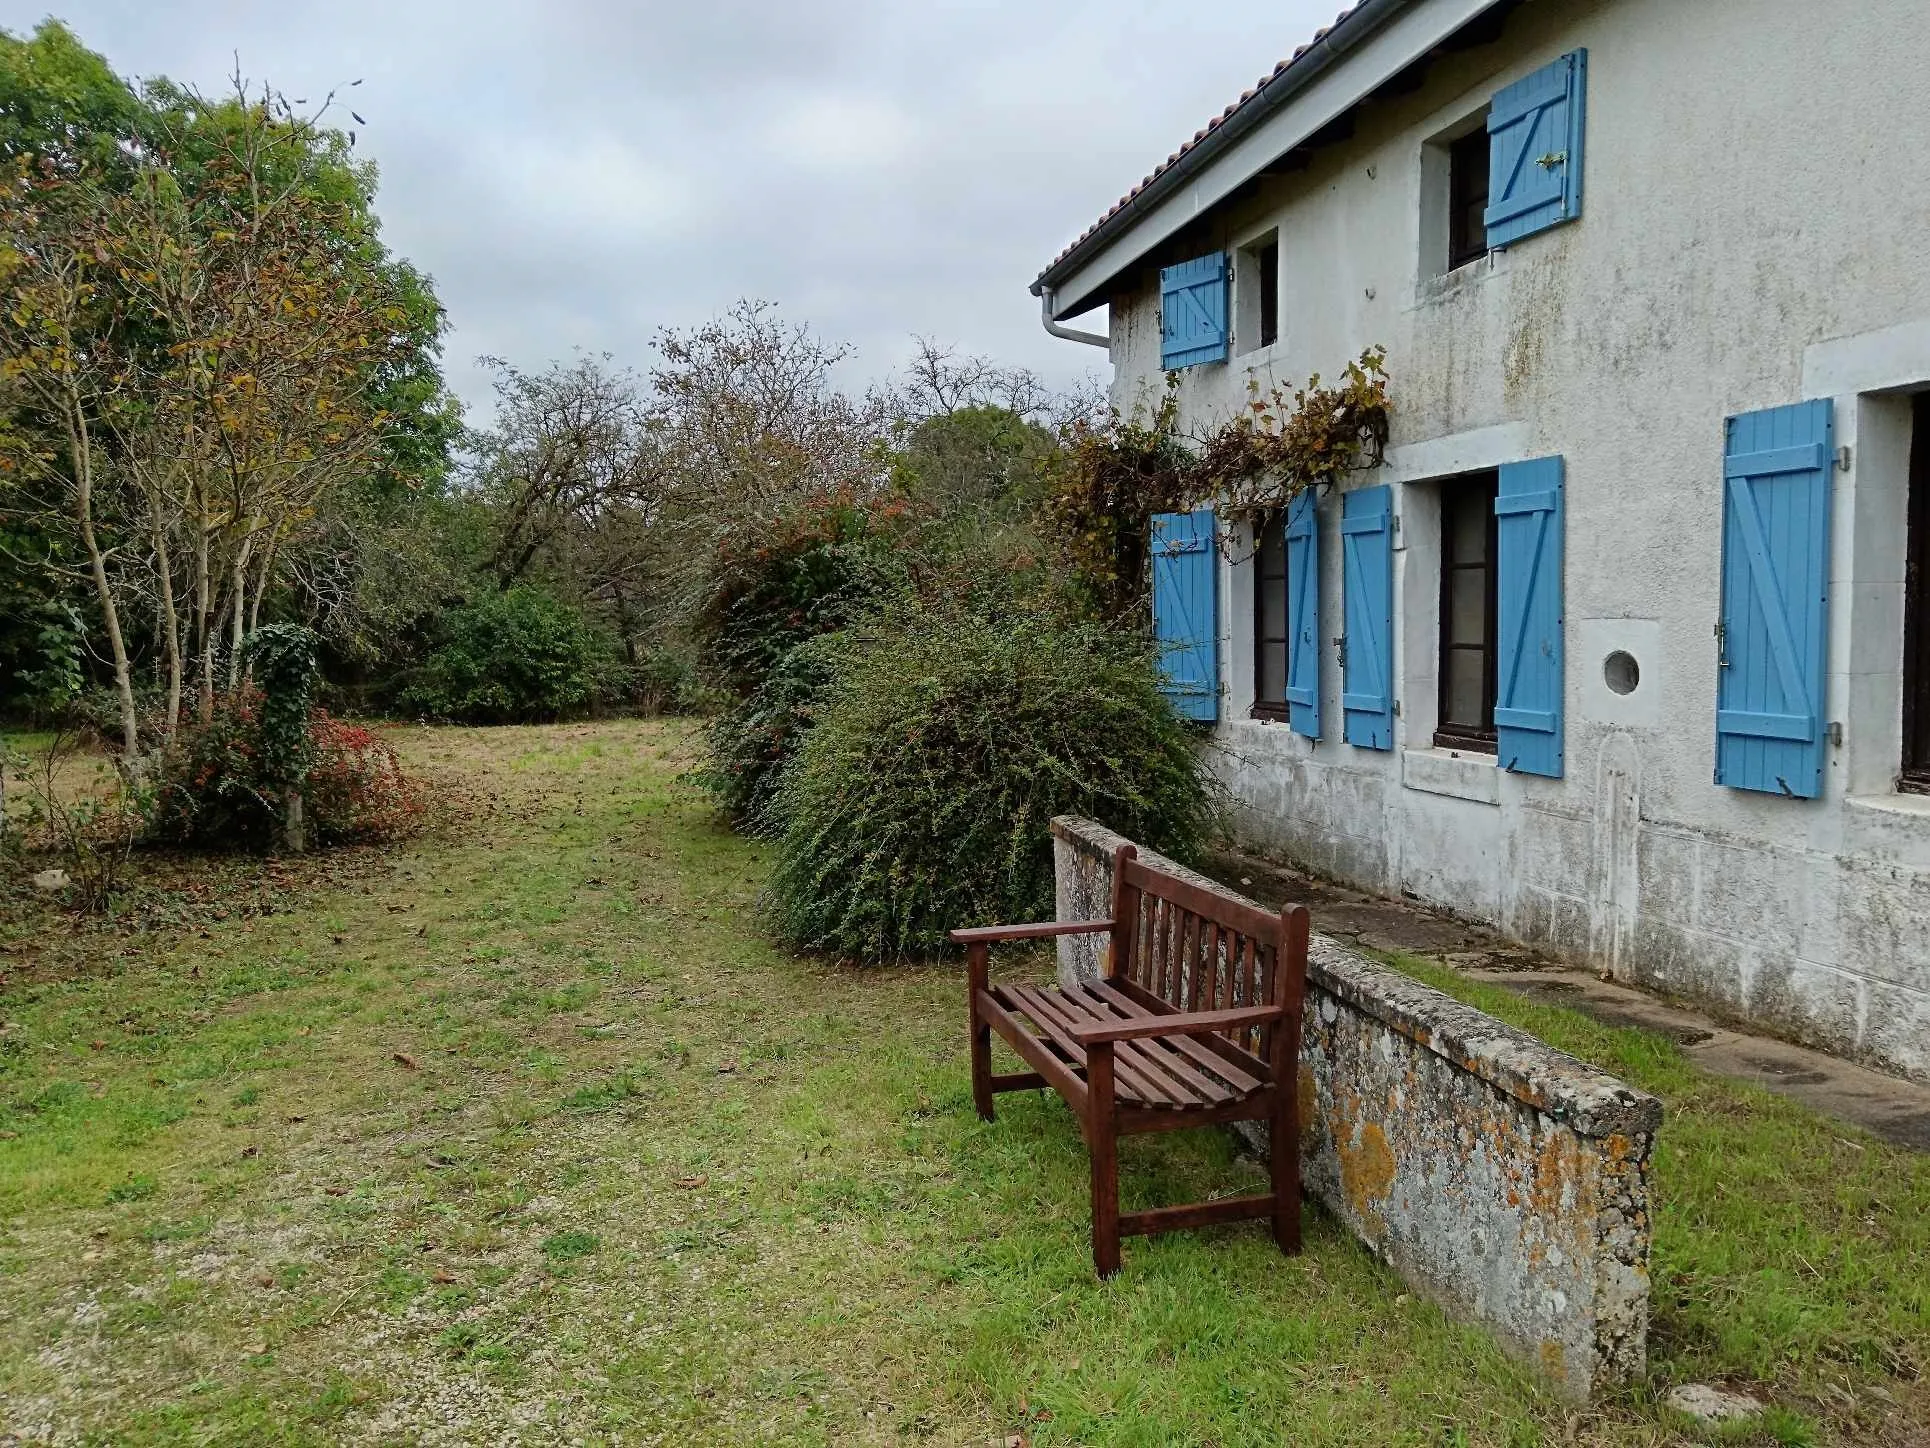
(1284, 443)
(1115, 471)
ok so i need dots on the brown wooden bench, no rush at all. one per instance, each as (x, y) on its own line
(1195, 1021)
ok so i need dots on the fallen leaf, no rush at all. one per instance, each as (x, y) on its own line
(247, 1151)
(726, 1068)
(98, 1045)
(266, 1279)
(406, 1061)
(692, 1181)
(296, 1120)
(443, 1275)
(335, 1191)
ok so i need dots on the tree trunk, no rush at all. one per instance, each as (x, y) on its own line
(254, 599)
(81, 450)
(170, 625)
(237, 620)
(294, 821)
(204, 628)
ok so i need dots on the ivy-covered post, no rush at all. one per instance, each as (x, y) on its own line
(284, 660)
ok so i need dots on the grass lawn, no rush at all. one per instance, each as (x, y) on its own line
(524, 1133)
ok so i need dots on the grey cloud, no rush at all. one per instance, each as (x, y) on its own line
(578, 173)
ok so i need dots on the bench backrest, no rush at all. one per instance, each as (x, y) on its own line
(1199, 951)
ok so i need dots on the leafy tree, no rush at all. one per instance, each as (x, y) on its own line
(507, 658)
(219, 382)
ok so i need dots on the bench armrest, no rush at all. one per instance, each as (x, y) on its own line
(993, 934)
(1188, 1023)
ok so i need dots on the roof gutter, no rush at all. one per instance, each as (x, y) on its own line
(1068, 334)
(1307, 67)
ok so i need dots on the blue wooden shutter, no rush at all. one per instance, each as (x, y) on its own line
(1186, 615)
(1192, 312)
(1535, 150)
(1775, 600)
(1367, 576)
(1528, 666)
(1303, 615)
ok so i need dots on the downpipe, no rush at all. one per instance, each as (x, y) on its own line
(1068, 334)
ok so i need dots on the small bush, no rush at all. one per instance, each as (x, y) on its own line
(951, 734)
(509, 658)
(357, 791)
(215, 792)
(211, 789)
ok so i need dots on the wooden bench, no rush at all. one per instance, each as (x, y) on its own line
(1195, 1021)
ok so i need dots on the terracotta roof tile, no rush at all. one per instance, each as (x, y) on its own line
(1245, 99)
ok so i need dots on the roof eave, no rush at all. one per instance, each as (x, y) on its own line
(1327, 50)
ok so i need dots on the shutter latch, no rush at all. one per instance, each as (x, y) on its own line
(1722, 645)
(1548, 160)
(1340, 650)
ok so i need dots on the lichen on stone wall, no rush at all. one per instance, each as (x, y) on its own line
(1498, 1176)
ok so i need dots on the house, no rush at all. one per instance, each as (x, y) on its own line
(1626, 647)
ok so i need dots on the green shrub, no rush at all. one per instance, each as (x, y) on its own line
(950, 735)
(508, 658)
(751, 740)
(811, 573)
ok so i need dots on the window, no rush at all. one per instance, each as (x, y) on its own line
(1468, 198)
(1466, 719)
(1270, 620)
(1258, 286)
(1916, 605)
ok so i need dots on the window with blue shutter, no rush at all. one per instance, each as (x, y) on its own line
(1303, 615)
(1775, 600)
(1528, 632)
(1192, 312)
(1186, 611)
(1367, 578)
(1535, 151)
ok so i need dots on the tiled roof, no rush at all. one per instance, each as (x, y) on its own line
(1200, 135)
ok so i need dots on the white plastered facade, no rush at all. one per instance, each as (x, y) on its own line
(1756, 231)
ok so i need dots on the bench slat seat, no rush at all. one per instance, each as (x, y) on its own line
(1160, 1073)
(1195, 1021)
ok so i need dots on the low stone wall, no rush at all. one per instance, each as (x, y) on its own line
(1504, 1179)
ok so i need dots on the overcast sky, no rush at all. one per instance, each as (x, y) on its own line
(576, 173)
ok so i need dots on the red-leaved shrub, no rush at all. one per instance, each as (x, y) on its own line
(357, 791)
(214, 790)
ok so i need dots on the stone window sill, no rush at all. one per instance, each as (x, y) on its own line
(1909, 805)
(1430, 290)
(1456, 773)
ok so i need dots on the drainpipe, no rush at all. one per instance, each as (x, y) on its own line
(1069, 334)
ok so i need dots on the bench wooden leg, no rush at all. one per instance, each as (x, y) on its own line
(1102, 1141)
(978, 975)
(1283, 1157)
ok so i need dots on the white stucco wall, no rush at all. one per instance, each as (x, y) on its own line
(1756, 232)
